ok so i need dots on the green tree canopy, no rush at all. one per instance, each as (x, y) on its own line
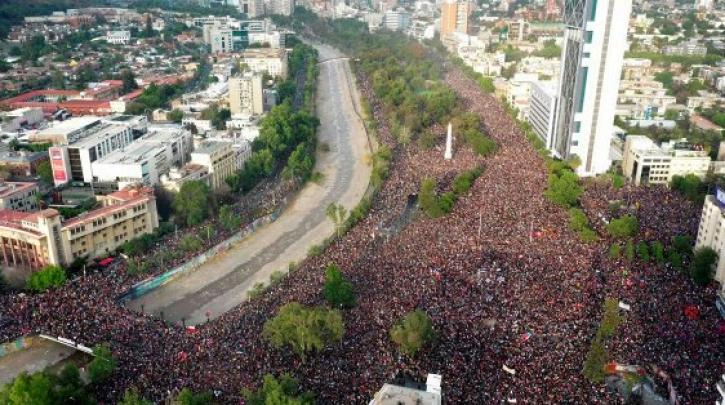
(413, 332)
(338, 292)
(189, 397)
(132, 397)
(102, 365)
(623, 227)
(282, 391)
(564, 188)
(45, 172)
(192, 205)
(304, 329)
(50, 276)
(702, 267)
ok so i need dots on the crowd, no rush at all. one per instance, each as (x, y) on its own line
(513, 294)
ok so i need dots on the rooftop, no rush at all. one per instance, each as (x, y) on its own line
(209, 147)
(8, 188)
(69, 125)
(263, 53)
(135, 153)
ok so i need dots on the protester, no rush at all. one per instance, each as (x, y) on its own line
(512, 292)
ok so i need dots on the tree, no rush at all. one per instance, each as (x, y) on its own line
(413, 332)
(428, 199)
(658, 252)
(175, 115)
(643, 251)
(615, 251)
(192, 204)
(304, 329)
(690, 186)
(102, 365)
(629, 250)
(190, 243)
(336, 213)
(703, 265)
(132, 397)
(129, 81)
(338, 292)
(50, 276)
(564, 189)
(623, 227)
(57, 80)
(682, 244)
(70, 387)
(596, 359)
(282, 391)
(229, 219)
(610, 318)
(45, 172)
(188, 397)
(33, 389)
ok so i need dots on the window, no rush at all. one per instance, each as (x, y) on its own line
(593, 10)
(590, 36)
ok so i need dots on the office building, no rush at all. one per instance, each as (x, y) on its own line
(266, 60)
(454, 17)
(543, 111)
(223, 39)
(18, 196)
(72, 162)
(219, 158)
(644, 162)
(245, 94)
(591, 66)
(37, 239)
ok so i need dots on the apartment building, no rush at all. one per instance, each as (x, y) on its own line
(37, 239)
(220, 159)
(123, 215)
(245, 94)
(18, 196)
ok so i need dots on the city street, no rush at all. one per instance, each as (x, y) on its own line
(223, 282)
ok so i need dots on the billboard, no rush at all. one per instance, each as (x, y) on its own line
(59, 164)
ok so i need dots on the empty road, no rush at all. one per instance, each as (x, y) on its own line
(223, 282)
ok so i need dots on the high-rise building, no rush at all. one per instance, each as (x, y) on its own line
(454, 17)
(282, 7)
(245, 94)
(591, 65)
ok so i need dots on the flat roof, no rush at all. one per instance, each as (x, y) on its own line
(132, 154)
(99, 132)
(69, 125)
(208, 147)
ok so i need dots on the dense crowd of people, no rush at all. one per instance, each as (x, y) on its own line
(514, 295)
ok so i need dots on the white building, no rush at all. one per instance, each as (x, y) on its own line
(72, 160)
(711, 233)
(118, 37)
(18, 196)
(245, 94)
(396, 20)
(265, 60)
(411, 393)
(134, 164)
(220, 159)
(591, 65)
(543, 111)
(644, 162)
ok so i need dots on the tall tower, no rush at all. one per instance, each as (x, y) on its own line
(454, 17)
(591, 64)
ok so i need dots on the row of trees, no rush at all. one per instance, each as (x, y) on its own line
(66, 387)
(598, 356)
